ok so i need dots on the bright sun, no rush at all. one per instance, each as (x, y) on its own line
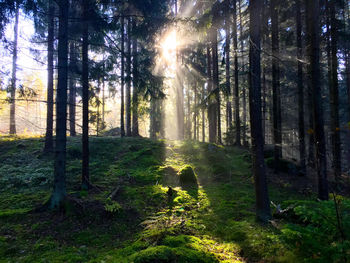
(169, 45)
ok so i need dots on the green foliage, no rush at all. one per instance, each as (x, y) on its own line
(315, 232)
(112, 206)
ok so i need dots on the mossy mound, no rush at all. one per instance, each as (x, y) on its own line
(169, 176)
(187, 177)
(165, 254)
(112, 132)
(284, 166)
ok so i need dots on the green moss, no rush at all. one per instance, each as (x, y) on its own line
(211, 222)
(160, 254)
(187, 176)
(157, 254)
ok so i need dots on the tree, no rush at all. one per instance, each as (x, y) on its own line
(277, 134)
(244, 102)
(86, 7)
(72, 87)
(313, 71)
(236, 90)
(216, 87)
(135, 79)
(211, 107)
(179, 93)
(122, 79)
(301, 122)
(334, 92)
(227, 64)
(59, 189)
(14, 74)
(50, 71)
(262, 199)
(128, 80)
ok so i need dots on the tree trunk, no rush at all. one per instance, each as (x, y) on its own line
(59, 189)
(301, 121)
(216, 87)
(50, 71)
(85, 85)
(103, 97)
(334, 94)
(227, 68)
(195, 135)
(122, 128)
(135, 101)
(203, 114)
(346, 15)
(265, 46)
(188, 122)
(153, 121)
(128, 80)
(277, 135)
(14, 75)
(244, 102)
(211, 104)
(262, 199)
(313, 53)
(72, 89)
(179, 94)
(236, 93)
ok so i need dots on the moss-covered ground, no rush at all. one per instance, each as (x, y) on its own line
(140, 211)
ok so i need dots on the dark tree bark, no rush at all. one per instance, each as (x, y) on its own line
(244, 102)
(122, 80)
(153, 121)
(14, 75)
(188, 121)
(346, 15)
(128, 80)
(236, 93)
(211, 104)
(301, 121)
(311, 153)
(103, 98)
(135, 79)
(195, 112)
(265, 47)
(313, 54)
(227, 66)
(334, 93)
(72, 89)
(262, 199)
(59, 188)
(277, 134)
(85, 84)
(50, 71)
(347, 55)
(216, 89)
(203, 115)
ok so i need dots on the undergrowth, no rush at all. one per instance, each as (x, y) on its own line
(141, 210)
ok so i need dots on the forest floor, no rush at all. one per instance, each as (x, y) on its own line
(140, 212)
